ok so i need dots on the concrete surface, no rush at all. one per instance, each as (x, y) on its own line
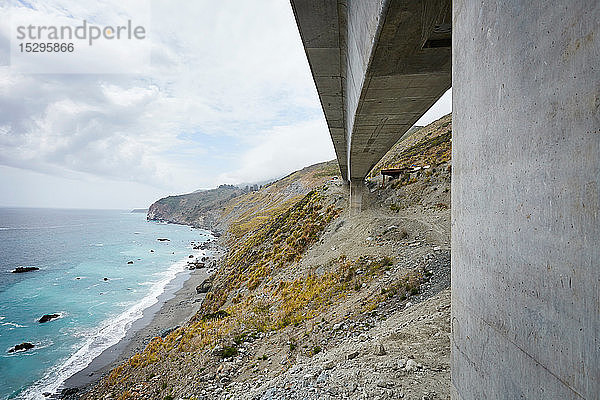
(356, 192)
(525, 200)
(378, 65)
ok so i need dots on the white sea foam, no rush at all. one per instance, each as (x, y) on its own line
(12, 324)
(109, 333)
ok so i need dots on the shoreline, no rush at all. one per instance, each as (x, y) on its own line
(175, 306)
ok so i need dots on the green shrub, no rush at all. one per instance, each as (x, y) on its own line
(216, 315)
(228, 352)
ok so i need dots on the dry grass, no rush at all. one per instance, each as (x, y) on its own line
(277, 243)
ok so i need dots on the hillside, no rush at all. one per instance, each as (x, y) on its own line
(218, 208)
(311, 302)
(428, 145)
(198, 209)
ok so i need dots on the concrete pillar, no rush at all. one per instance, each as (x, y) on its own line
(356, 192)
(525, 200)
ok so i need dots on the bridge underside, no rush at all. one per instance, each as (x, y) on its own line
(378, 67)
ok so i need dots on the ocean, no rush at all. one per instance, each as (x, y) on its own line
(86, 277)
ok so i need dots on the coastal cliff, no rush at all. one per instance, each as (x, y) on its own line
(216, 209)
(198, 209)
(311, 302)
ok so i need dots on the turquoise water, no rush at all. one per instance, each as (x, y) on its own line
(75, 250)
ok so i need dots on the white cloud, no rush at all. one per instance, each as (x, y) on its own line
(228, 96)
(221, 81)
(442, 107)
(283, 149)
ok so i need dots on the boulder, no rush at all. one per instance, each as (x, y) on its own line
(411, 365)
(205, 286)
(166, 332)
(48, 317)
(69, 393)
(22, 347)
(379, 350)
(195, 265)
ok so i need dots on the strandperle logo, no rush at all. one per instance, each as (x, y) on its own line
(100, 40)
(85, 31)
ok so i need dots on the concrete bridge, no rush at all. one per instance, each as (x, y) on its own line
(526, 167)
(378, 66)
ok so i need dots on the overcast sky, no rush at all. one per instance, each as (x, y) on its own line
(228, 98)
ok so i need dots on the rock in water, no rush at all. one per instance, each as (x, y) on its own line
(20, 270)
(22, 347)
(163, 240)
(48, 317)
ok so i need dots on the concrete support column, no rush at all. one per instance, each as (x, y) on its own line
(525, 200)
(356, 192)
